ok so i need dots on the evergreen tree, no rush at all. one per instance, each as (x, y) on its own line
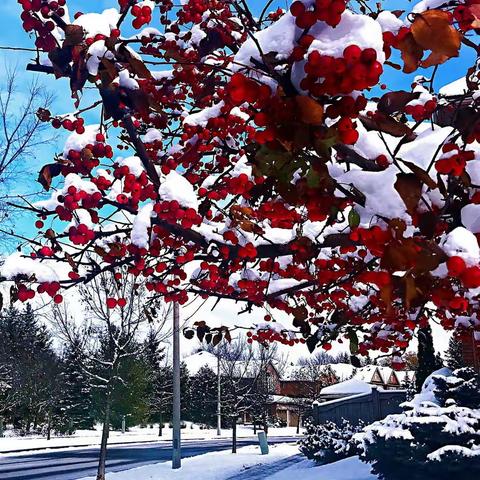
(128, 384)
(454, 354)
(29, 362)
(203, 403)
(76, 402)
(428, 362)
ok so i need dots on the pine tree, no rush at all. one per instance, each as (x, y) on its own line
(128, 385)
(76, 402)
(454, 354)
(29, 362)
(428, 362)
(203, 398)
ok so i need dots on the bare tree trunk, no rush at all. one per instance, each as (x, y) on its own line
(298, 421)
(103, 445)
(49, 424)
(254, 426)
(234, 434)
(265, 422)
(160, 425)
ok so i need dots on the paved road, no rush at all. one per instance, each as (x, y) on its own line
(77, 463)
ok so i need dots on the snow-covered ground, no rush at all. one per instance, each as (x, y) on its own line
(347, 469)
(135, 434)
(210, 466)
(227, 466)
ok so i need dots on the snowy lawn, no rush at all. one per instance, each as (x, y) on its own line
(135, 434)
(347, 469)
(210, 466)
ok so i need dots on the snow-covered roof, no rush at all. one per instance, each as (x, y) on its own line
(283, 399)
(299, 372)
(458, 87)
(348, 387)
(198, 360)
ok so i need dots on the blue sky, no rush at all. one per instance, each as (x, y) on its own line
(12, 34)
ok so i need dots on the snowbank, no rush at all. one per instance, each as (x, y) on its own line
(348, 469)
(211, 466)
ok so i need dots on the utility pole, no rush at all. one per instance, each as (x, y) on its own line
(176, 447)
(219, 396)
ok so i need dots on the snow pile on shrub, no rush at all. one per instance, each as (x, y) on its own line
(437, 436)
(329, 442)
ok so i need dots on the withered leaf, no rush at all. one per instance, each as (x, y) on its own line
(409, 187)
(386, 124)
(395, 101)
(432, 30)
(47, 173)
(412, 53)
(309, 110)
(421, 174)
(74, 35)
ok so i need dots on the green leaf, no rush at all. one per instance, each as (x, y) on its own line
(352, 335)
(353, 218)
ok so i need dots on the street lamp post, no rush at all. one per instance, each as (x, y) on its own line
(176, 447)
(219, 396)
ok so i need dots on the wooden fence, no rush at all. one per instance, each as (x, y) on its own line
(367, 407)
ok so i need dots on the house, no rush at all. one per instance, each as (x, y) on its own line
(294, 388)
(470, 345)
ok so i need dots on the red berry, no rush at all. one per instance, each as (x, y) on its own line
(111, 302)
(456, 266)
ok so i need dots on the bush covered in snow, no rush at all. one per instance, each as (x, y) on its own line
(329, 442)
(437, 435)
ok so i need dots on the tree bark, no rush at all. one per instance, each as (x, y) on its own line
(160, 425)
(49, 425)
(234, 434)
(103, 445)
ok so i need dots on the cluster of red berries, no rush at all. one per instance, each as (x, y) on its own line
(375, 239)
(243, 89)
(31, 9)
(87, 159)
(453, 160)
(346, 131)
(114, 302)
(76, 125)
(278, 214)
(172, 212)
(270, 335)
(239, 185)
(457, 268)
(80, 235)
(247, 251)
(421, 112)
(101, 182)
(143, 15)
(357, 70)
(346, 107)
(24, 293)
(74, 197)
(328, 11)
(138, 188)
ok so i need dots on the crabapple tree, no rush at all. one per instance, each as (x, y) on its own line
(260, 155)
